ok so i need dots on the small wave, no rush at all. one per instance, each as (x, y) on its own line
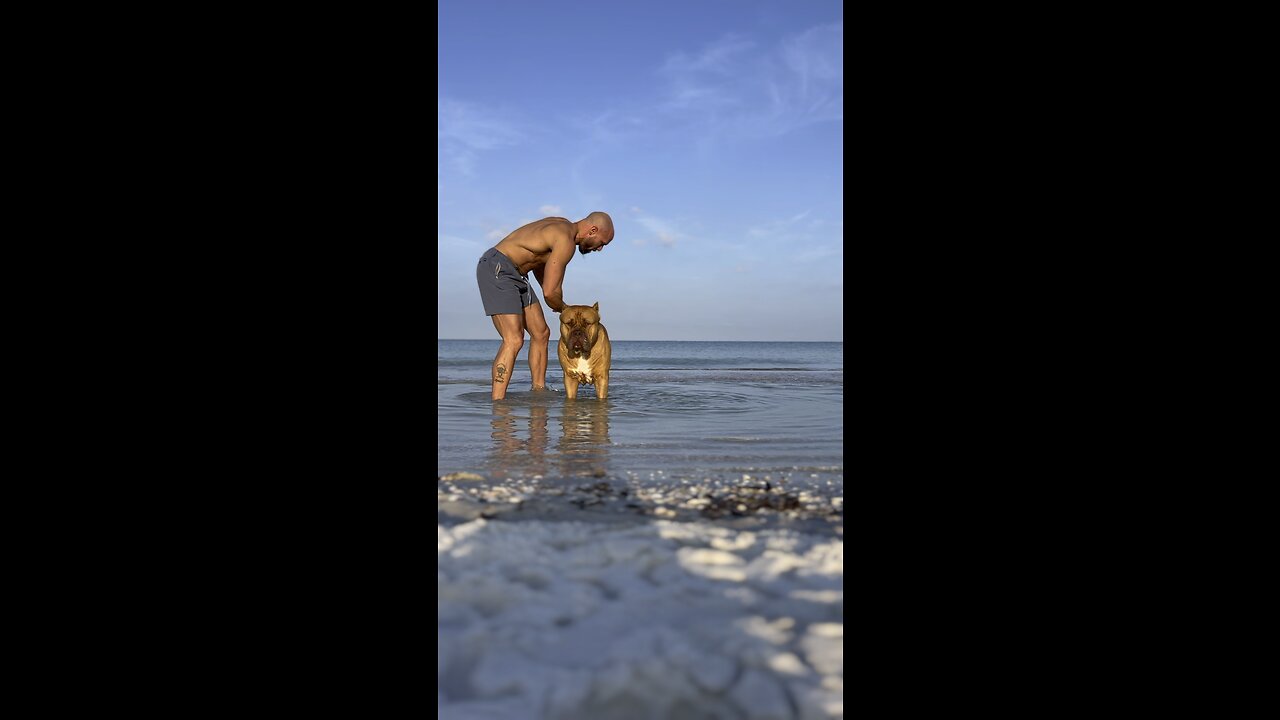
(720, 368)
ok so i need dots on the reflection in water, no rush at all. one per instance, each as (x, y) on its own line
(584, 437)
(537, 445)
(583, 449)
(512, 456)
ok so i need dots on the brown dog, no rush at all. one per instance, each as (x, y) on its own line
(584, 350)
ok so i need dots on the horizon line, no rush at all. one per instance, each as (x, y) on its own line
(642, 340)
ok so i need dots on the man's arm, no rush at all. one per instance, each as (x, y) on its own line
(551, 275)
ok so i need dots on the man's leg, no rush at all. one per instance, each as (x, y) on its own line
(511, 328)
(540, 335)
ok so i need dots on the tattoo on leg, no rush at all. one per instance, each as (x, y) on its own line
(502, 373)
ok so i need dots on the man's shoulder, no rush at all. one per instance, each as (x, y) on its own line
(556, 224)
(558, 229)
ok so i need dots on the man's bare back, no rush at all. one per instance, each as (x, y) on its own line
(529, 246)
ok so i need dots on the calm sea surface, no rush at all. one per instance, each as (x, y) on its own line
(677, 411)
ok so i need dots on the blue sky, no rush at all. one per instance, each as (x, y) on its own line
(712, 131)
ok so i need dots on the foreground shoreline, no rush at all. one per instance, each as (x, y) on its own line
(806, 502)
(656, 618)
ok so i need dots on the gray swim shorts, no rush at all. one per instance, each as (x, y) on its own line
(502, 288)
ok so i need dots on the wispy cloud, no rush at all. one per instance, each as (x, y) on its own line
(550, 210)
(661, 232)
(720, 57)
(457, 244)
(504, 229)
(735, 87)
(465, 130)
(705, 80)
(783, 227)
(808, 84)
(807, 238)
(732, 88)
(608, 127)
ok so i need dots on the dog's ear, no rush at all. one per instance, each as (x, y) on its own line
(596, 307)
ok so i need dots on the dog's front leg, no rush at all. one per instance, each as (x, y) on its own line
(570, 385)
(602, 386)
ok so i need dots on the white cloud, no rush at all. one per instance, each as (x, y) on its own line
(809, 241)
(720, 57)
(550, 210)
(820, 252)
(606, 128)
(454, 243)
(663, 232)
(503, 230)
(781, 228)
(465, 130)
(734, 87)
(471, 125)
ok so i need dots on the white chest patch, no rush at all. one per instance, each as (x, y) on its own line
(583, 370)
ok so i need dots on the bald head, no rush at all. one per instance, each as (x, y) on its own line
(602, 221)
(594, 232)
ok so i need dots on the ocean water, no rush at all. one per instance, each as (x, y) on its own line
(676, 412)
(674, 551)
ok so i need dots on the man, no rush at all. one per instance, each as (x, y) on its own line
(545, 247)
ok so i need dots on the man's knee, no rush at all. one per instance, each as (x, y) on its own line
(513, 341)
(541, 334)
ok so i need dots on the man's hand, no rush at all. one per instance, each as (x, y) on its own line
(555, 300)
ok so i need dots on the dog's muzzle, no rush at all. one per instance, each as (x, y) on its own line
(579, 344)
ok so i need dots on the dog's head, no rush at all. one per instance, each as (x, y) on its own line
(579, 328)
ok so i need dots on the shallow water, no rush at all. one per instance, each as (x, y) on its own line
(677, 412)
